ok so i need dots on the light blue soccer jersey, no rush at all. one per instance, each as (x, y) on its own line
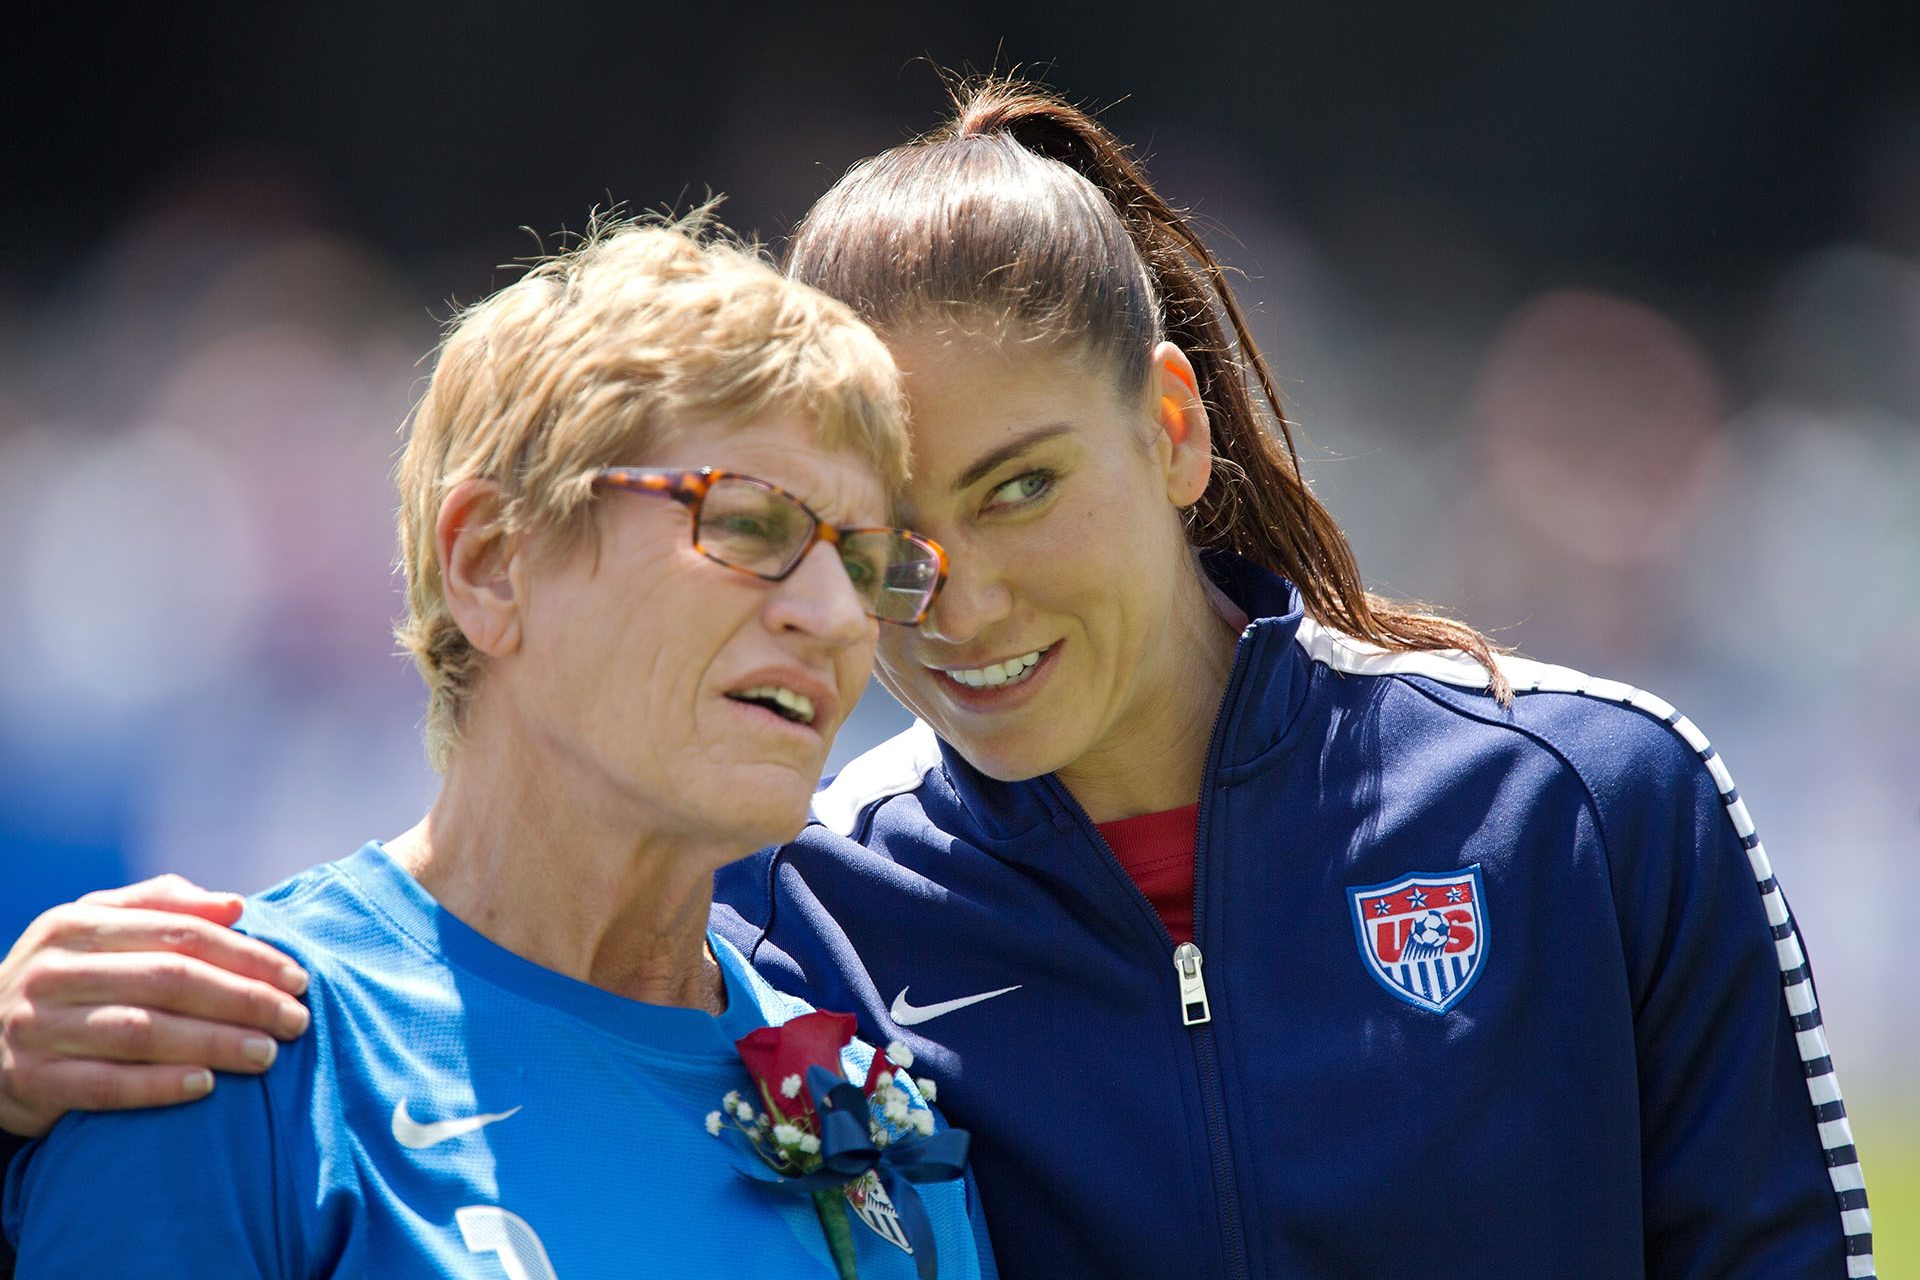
(455, 1110)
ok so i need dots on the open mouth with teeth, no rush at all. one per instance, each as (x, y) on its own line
(993, 675)
(784, 702)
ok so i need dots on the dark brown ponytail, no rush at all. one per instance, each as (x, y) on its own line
(1026, 208)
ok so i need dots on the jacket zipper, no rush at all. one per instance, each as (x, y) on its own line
(1212, 1087)
(1187, 962)
(1195, 1008)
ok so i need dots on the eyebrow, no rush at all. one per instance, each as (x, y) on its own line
(1011, 449)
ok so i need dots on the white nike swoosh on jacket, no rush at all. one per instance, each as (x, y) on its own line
(908, 1015)
(415, 1136)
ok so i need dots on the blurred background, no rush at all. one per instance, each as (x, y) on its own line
(1603, 323)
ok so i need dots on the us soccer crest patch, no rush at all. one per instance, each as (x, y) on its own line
(1424, 937)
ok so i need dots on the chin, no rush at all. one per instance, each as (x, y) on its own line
(742, 810)
(763, 816)
(1008, 765)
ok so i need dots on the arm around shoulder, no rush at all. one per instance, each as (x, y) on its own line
(128, 997)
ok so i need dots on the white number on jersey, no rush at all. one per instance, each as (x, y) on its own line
(490, 1229)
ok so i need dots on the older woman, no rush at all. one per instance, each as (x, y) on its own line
(523, 1052)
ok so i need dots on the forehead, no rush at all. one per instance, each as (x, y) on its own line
(840, 485)
(971, 394)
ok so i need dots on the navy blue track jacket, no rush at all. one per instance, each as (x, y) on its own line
(1477, 991)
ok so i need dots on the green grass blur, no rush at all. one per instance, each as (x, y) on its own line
(1887, 1132)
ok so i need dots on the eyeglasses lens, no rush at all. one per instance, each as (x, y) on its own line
(893, 574)
(908, 584)
(752, 528)
(765, 532)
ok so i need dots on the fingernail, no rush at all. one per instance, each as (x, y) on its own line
(293, 1020)
(293, 980)
(198, 1084)
(260, 1050)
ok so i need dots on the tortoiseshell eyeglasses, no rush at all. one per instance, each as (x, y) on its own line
(761, 529)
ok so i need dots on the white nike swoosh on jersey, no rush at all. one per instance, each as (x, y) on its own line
(414, 1136)
(908, 1015)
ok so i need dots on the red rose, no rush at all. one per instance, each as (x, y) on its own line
(880, 1063)
(775, 1054)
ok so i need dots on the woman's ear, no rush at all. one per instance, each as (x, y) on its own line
(1185, 439)
(479, 566)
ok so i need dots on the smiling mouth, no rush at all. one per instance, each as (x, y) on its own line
(994, 675)
(780, 700)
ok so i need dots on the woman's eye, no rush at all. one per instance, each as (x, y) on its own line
(1021, 489)
(860, 570)
(739, 527)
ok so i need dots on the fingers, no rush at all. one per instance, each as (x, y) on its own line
(154, 983)
(121, 1033)
(172, 893)
(128, 997)
(86, 927)
(62, 1085)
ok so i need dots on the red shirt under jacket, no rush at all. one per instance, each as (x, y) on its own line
(1157, 851)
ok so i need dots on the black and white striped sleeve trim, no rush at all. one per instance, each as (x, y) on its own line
(1343, 653)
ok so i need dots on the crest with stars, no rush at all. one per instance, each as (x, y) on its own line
(1423, 937)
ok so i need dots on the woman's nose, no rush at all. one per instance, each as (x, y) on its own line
(974, 598)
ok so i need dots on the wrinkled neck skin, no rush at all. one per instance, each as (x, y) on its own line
(1155, 760)
(529, 858)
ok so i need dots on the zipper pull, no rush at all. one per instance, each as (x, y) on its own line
(1193, 987)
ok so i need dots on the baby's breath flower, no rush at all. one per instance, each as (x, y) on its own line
(732, 1099)
(896, 1108)
(927, 1088)
(741, 1108)
(810, 1144)
(923, 1122)
(786, 1135)
(713, 1123)
(790, 1087)
(899, 1054)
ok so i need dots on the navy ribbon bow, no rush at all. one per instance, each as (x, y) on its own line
(847, 1151)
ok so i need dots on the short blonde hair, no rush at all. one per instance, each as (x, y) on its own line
(589, 359)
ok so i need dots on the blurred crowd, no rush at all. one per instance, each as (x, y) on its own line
(1718, 501)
